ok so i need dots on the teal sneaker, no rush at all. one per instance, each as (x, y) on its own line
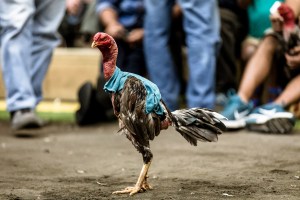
(270, 118)
(236, 111)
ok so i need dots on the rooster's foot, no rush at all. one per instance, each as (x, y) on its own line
(134, 190)
(146, 186)
(130, 190)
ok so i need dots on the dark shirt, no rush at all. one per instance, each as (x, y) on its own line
(130, 12)
(231, 5)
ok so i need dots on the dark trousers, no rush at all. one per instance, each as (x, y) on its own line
(131, 59)
(232, 34)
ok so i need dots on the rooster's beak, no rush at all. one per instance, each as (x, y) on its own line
(93, 44)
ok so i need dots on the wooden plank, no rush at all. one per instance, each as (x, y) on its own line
(70, 68)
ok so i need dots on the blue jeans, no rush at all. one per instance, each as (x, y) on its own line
(201, 24)
(28, 37)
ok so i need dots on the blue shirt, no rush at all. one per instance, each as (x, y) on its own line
(130, 12)
(116, 83)
(259, 17)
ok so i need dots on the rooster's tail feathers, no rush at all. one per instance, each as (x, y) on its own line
(198, 124)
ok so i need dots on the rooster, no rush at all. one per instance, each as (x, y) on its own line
(142, 114)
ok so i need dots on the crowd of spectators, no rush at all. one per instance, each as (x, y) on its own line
(201, 50)
(243, 46)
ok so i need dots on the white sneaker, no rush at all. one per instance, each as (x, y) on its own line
(270, 118)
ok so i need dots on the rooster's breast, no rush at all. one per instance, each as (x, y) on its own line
(131, 103)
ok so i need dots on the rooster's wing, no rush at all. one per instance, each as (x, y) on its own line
(138, 126)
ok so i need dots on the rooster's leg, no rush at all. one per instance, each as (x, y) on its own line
(141, 184)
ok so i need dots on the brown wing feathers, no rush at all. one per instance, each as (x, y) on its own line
(142, 126)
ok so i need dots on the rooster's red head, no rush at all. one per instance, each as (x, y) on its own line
(109, 49)
(102, 40)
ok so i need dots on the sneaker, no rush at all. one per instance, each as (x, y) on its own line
(236, 111)
(270, 118)
(25, 118)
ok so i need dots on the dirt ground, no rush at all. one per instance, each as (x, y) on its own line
(69, 162)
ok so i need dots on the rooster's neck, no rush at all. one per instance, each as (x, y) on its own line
(109, 61)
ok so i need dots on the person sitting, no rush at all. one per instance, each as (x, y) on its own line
(257, 10)
(271, 117)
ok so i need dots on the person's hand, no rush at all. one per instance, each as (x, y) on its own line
(116, 30)
(283, 20)
(293, 61)
(277, 22)
(73, 6)
(135, 36)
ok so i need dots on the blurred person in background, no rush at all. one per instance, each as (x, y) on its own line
(201, 25)
(123, 20)
(234, 28)
(79, 24)
(28, 37)
(279, 50)
(257, 11)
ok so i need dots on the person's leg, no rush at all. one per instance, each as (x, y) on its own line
(16, 18)
(226, 74)
(48, 16)
(257, 68)
(160, 65)
(273, 117)
(290, 94)
(201, 24)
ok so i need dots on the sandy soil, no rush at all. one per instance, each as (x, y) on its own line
(68, 162)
